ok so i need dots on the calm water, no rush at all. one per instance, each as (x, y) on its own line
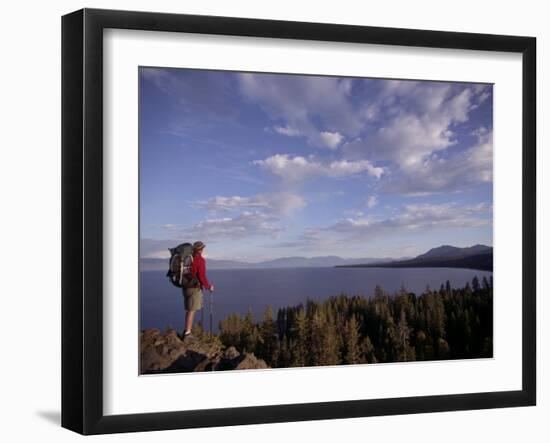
(238, 290)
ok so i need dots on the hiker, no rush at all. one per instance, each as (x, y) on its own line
(193, 295)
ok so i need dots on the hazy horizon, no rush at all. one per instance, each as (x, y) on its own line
(273, 259)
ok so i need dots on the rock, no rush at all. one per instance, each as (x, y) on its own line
(250, 361)
(206, 365)
(158, 351)
(211, 350)
(188, 362)
(232, 359)
(167, 353)
(149, 336)
(231, 353)
(150, 361)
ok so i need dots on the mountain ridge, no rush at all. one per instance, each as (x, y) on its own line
(474, 257)
(454, 251)
(478, 257)
(149, 264)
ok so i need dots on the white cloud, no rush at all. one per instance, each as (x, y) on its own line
(460, 171)
(372, 201)
(416, 120)
(245, 224)
(417, 129)
(310, 106)
(155, 248)
(325, 139)
(299, 168)
(415, 217)
(410, 125)
(242, 226)
(331, 139)
(280, 203)
(253, 216)
(344, 168)
(287, 130)
(247, 216)
(410, 218)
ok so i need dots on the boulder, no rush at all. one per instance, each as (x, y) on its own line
(250, 361)
(167, 353)
(188, 362)
(231, 353)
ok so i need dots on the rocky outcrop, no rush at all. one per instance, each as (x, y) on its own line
(167, 353)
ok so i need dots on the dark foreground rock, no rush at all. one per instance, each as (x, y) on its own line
(166, 353)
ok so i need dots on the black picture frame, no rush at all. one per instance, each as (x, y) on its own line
(82, 218)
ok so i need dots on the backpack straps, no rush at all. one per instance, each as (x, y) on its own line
(181, 270)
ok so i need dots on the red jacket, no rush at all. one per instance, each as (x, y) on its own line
(198, 269)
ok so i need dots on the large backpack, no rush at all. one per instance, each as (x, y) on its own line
(179, 270)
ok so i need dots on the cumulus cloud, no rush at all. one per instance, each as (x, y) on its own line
(416, 122)
(325, 139)
(415, 131)
(410, 126)
(299, 168)
(280, 203)
(317, 108)
(331, 139)
(459, 171)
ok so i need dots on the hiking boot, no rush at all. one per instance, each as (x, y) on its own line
(187, 335)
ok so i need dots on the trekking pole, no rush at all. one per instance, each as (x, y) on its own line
(211, 313)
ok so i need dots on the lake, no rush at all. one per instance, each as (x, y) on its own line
(237, 290)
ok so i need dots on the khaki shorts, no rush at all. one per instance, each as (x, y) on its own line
(192, 298)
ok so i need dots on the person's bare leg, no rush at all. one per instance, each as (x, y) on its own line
(189, 316)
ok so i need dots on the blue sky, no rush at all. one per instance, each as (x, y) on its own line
(261, 166)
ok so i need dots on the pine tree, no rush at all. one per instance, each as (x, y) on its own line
(315, 340)
(267, 348)
(285, 353)
(485, 284)
(367, 349)
(450, 323)
(352, 349)
(250, 336)
(231, 330)
(475, 284)
(299, 349)
(404, 334)
(443, 349)
(323, 341)
(421, 345)
(332, 342)
(378, 292)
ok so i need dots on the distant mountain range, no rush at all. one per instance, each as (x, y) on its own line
(474, 257)
(150, 264)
